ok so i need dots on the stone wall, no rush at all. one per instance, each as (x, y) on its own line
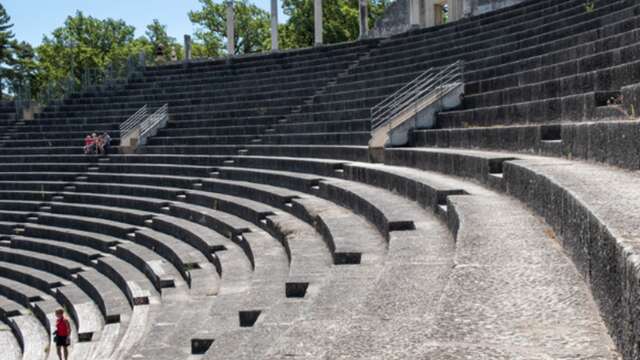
(394, 21)
(396, 18)
(477, 7)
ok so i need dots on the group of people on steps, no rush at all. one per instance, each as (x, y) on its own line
(97, 144)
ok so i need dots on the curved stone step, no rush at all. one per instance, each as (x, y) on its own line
(82, 310)
(109, 299)
(37, 304)
(36, 340)
(191, 233)
(271, 220)
(346, 152)
(104, 346)
(257, 213)
(472, 302)
(512, 281)
(149, 263)
(181, 255)
(10, 346)
(85, 313)
(134, 332)
(388, 213)
(9, 308)
(132, 282)
(23, 332)
(345, 252)
(272, 262)
(576, 199)
(351, 292)
(268, 194)
(144, 258)
(28, 230)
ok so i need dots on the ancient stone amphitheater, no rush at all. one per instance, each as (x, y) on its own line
(256, 224)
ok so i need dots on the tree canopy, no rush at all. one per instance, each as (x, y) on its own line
(83, 42)
(157, 36)
(252, 32)
(7, 47)
(340, 19)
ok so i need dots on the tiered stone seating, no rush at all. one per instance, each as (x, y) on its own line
(405, 245)
(10, 334)
(283, 86)
(254, 225)
(7, 112)
(552, 98)
(480, 44)
(29, 338)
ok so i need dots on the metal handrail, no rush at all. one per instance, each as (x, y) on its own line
(406, 88)
(427, 84)
(150, 126)
(392, 103)
(145, 125)
(133, 121)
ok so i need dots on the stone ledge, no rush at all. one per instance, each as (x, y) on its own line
(615, 143)
(599, 235)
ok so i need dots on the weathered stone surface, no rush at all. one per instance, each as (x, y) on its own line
(10, 346)
(530, 298)
(394, 20)
(576, 199)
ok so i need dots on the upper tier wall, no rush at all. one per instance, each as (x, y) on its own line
(394, 21)
(397, 18)
(477, 7)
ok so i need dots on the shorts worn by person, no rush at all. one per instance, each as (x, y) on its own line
(62, 335)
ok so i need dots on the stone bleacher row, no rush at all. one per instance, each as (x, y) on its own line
(254, 225)
(348, 184)
(290, 110)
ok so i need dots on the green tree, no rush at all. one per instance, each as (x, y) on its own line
(7, 47)
(157, 35)
(86, 43)
(206, 48)
(25, 67)
(340, 20)
(251, 31)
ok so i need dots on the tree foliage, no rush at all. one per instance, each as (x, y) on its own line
(253, 25)
(85, 43)
(7, 47)
(252, 32)
(340, 21)
(25, 66)
(157, 35)
(6, 36)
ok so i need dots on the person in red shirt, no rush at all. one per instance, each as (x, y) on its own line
(88, 144)
(62, 335)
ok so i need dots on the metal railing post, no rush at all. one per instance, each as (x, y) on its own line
(145, 125)
(432, 82)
